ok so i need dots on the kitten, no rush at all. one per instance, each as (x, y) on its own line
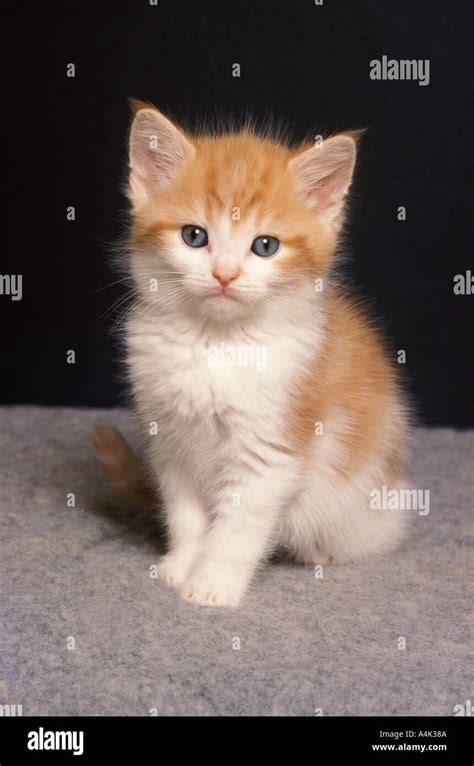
(277, 410)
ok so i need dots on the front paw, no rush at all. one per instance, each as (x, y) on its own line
(212, 589)
(173, 569)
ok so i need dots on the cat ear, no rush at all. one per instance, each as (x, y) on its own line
(157, 151)
(324, 174)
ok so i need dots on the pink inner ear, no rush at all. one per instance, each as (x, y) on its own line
(324, 173)
(157, 150)
(331, 189)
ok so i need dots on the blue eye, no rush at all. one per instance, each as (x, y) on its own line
(194, 236)
(265, 246)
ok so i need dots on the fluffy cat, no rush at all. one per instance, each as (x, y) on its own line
(277, 409)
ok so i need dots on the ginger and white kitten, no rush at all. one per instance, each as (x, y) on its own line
(276, 408)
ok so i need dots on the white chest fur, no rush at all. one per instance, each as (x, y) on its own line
(216, 395)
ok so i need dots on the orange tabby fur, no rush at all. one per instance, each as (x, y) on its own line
(238, 186)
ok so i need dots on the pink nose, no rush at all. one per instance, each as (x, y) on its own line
(225, 277)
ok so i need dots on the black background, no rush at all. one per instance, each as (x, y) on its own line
(65, 144)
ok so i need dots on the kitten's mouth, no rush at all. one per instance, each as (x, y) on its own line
(222, 297)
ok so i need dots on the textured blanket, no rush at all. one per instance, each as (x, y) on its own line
(87, 629)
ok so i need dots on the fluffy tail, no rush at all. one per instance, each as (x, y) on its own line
(123, 468)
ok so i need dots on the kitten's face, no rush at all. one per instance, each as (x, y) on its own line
(228, 225)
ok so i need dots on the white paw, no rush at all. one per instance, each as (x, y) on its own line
(173, 569)
(212, 591)
(314, 558)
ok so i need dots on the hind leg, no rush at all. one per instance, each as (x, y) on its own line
(301, 535)
(312, 556)
(330, 522)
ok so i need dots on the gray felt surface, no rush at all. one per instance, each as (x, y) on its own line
(305, 643)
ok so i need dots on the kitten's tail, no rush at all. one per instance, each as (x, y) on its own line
(123, 468)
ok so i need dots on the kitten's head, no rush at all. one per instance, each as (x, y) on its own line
(225, 225)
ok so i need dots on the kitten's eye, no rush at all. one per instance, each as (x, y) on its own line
(265, 246)
(194, 236)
